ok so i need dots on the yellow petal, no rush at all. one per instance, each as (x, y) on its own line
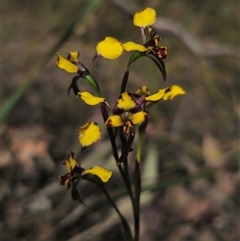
(70, 163)
(89, 133)
(131, 46)
(114, 121)
(144, 18)
(139, 117)
(174, 91)
(99, 171)
(109, 48)
(143, 91)
(125, 102)
(66, 65)
(73, 56)
(90, 99)
(159, 95)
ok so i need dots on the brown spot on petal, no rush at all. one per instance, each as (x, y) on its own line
(64, 178)
(163, 52)
(146, 117)
(108, 123)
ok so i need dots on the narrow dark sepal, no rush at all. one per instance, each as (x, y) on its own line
(127, 148)
(74, 86)
(135, 56)
(92, 82)
(124, 81)
(75, 194)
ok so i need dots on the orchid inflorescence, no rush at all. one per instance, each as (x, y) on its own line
(129, 111)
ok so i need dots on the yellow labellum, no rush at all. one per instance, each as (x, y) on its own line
(90, 99)
(66, 65)
(144, 18)
(175, 90)
(131, 46)
(89, 133)
(70, 163)
(99, 171)
(109, 48)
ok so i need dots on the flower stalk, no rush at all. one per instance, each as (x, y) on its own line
(129, 113)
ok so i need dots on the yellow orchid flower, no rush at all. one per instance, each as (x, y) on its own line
(129, 109)
(127, 112)
(77, 173)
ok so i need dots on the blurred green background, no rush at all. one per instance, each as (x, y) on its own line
(191, 167)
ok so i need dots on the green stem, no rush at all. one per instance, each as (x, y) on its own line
(134, 199)
(128, 185)
(137, 181)
(143, 35)
(81, 155)
(141, 131)
(125, 162)
(115, 151)
(137, 190)
(124, 81)
(139, 145)
(93, 83)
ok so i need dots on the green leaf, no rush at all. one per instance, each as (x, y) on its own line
(97, 180)
(160, 64)
(75, 194)
(93, 83)
(135, 56)
(127, 230)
